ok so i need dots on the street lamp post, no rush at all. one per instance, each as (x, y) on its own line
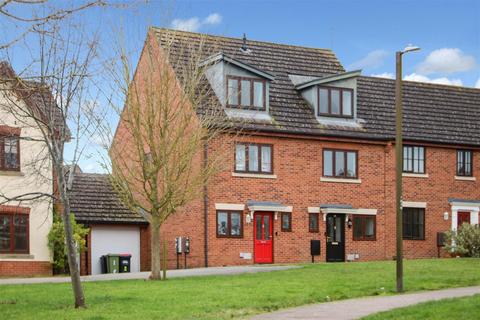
(399, 162)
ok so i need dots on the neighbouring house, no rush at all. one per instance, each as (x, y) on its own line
(114, 229)
(25, 168)
(318, 161)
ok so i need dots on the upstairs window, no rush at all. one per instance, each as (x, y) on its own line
(335, 102)
(9, 153)
(246, 93)
(253, 158)
(340, 164)
(464, 163)
(413, 159)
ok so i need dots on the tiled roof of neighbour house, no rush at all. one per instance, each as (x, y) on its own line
(36, 96)
(94, 201)
(432, 113)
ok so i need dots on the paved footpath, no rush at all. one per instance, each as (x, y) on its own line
(361, 307)
(195, 272)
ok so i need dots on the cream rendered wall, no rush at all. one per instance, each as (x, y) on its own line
(35, 176)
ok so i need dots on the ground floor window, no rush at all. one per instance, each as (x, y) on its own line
(313, 222)
(414, 223)
(14, 233)
(286, 221)
(364, 227)
(229, 224)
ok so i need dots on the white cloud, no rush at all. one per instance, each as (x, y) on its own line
(442, 80)
(213, 19)
(194, 24)
(446, 60)
(477, 84)
(373, 59)
(387, 75)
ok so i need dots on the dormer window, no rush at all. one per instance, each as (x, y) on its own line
(246, 93)
(335, 102)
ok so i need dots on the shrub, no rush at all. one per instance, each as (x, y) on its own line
(56, 242)
(465, 241)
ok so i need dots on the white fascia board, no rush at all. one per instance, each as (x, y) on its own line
(330, 78)
(271, 208)
(221, 56)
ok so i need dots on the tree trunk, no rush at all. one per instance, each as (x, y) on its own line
(155, 238)
(72, 253)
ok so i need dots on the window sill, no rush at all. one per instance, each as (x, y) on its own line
(254, 175)
(11, 173)
(415, 175)
(340, 180)
(465, 178)
(16, 256)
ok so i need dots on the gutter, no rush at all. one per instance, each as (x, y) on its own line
(205, 206)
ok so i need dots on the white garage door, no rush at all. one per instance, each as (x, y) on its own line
(119, 239)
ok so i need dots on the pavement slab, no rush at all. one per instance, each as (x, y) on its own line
(194, 272)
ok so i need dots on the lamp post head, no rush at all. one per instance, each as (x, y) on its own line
(410, 48)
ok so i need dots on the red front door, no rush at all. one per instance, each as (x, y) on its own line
(463, 217)
(263, 237)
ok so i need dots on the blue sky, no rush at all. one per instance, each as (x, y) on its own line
(363, 34)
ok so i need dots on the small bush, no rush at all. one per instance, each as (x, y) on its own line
(56, 242)
(465, 241)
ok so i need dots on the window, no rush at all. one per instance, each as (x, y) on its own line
(339, 163)
(253, 158)
(9, 153)
(229, 224)
(413, 159)
(414, 223)
(14, 233)
(335, 102)
(313, 222)
(364, 227)
(286, 221)
(464, 163)
(246, 93)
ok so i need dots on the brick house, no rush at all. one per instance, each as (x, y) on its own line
(318, 160)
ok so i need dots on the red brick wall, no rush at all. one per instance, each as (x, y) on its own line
(25, 268)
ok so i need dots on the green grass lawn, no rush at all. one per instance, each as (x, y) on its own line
(224, 297)
(460, 308)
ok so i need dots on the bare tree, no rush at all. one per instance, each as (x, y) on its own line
(166, 123)
(14, 12)
(54, 95)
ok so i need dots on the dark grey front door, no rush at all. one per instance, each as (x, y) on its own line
(335, 237)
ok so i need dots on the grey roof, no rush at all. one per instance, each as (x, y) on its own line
(94, 201)
(264, 203)
(450, 200)
(432, 113)
(335, 206)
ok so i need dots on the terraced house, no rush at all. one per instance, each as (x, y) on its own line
(317, 162)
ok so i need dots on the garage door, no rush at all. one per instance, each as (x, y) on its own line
(110, 239)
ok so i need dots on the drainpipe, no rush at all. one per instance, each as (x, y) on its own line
(205, 205)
